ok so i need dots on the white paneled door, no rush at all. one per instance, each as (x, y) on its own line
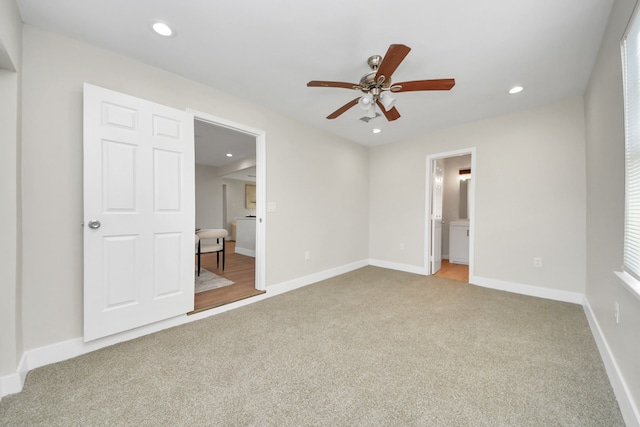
(139, 212)
(437, 180)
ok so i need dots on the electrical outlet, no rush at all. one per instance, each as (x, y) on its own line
(307, 255)
(402, 246)
(537, 262)
(616, 311)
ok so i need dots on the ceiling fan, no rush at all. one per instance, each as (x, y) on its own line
(378, 81)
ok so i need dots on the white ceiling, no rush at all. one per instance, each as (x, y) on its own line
(213, 144)
(267, 50)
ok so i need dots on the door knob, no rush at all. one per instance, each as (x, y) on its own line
(94, 223)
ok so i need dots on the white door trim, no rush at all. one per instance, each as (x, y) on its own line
(261, 138)
(472, 205)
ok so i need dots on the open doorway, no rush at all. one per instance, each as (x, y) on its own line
(229, 170)
(449, 222)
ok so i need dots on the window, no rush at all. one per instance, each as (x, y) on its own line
(631, 80)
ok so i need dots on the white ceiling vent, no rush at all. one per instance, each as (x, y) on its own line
(367, 119)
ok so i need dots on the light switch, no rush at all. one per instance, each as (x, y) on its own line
(271, 207)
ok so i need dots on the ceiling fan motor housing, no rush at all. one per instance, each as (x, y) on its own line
(368, 83)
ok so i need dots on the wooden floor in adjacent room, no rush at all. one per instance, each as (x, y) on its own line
(240, 269)
(454, 271)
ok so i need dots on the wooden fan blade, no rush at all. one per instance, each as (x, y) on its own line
(391, 115)
(342, 109)
(440, 84)
(320, 83)
(393, 58)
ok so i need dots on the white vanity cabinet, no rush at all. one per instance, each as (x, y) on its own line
(459, 242)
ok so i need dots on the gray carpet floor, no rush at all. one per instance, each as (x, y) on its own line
(373, 347)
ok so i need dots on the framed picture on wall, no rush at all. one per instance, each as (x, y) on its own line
(250, 196)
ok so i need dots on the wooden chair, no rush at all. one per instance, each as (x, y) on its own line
(206, 244)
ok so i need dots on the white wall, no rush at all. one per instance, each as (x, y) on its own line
(10, 223)
(529, 189)
(326, 205)
(10, 35)
(605, 203)
(236, 201)
(327, 201)
(208, 197)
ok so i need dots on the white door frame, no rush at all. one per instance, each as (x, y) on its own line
(472, 205)
(261, 158)
(435, 214)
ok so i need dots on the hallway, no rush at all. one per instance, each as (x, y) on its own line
(453, 271)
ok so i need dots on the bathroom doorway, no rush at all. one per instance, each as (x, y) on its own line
(449, 219)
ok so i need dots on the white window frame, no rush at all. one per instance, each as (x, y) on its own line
(630, 49)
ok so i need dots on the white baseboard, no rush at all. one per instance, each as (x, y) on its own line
(534, 291)
(628, 408)
(57, 352)
(11, 384)
(314, 278)
(246, 252)
(400, 267)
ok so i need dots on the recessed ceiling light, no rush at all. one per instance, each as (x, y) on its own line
(376, 130)
(162, 29)
(229, 155)
(515, 89)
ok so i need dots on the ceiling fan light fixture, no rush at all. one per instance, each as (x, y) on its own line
(387, 101)
(366, 101)
(371, 112)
